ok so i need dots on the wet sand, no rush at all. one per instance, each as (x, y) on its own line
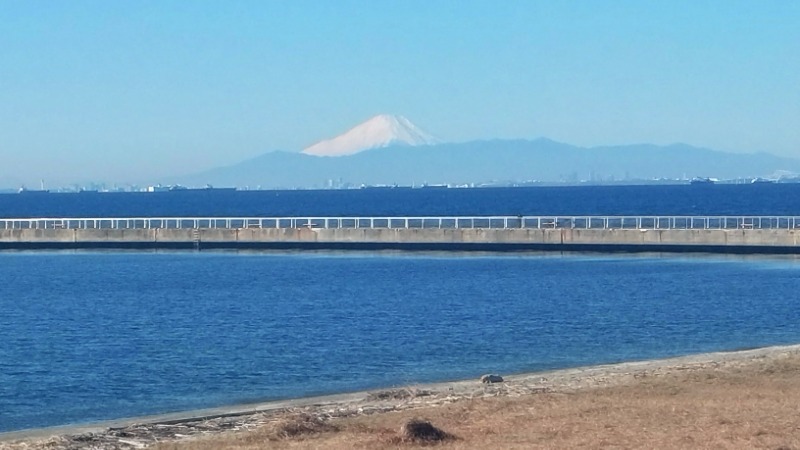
(190, 425)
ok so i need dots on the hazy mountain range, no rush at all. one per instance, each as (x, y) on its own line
(387, 150)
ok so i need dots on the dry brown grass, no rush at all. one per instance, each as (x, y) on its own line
(753, 406)
(298, 425)
(423, 432)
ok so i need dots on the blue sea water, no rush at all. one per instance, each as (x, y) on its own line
(98, 335)
(749, 199)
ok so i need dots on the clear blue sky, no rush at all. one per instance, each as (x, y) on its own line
(122, 91)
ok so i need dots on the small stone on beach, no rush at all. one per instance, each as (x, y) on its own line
(418, 430)
(491, 378)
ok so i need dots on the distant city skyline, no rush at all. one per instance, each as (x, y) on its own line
(132, 92)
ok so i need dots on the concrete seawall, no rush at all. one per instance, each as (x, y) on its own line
(465, 239)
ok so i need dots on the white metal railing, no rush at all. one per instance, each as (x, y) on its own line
(447, 222)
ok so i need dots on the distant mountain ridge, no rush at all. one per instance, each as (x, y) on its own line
(491, 161)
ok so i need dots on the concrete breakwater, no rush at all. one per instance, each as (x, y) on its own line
(771, 240)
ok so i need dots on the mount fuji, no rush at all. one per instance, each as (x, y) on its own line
(381, 131)
(390, 150)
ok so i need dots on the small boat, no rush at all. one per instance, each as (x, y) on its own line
(212, 188)
(702, 181)
(24, 190)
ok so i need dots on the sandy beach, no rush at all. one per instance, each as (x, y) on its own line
(743, 399)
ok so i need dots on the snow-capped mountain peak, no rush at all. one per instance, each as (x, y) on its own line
(380, 131)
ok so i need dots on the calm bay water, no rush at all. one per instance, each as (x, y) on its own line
(750, 199)
(89, 336)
